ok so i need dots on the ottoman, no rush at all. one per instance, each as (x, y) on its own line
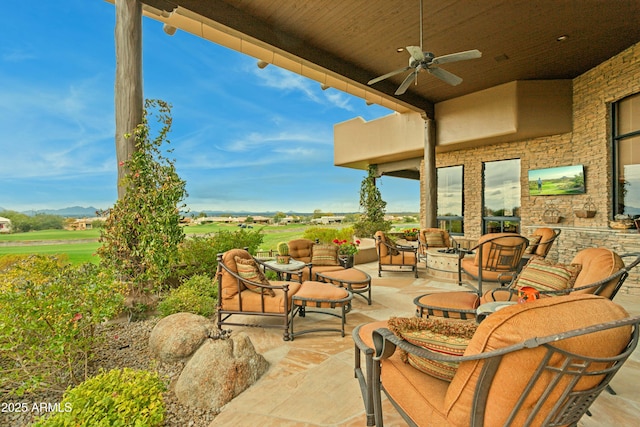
(314, 294)
(356, 281)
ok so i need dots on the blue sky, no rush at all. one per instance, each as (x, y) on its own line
(244, 138)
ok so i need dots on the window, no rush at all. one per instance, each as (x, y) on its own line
(450, 199)
(501, 196)
(626, 155)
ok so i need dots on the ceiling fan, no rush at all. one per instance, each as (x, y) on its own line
(421, 60)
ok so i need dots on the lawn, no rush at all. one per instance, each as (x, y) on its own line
(79, 252)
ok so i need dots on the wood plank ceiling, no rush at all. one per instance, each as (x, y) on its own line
(359, 38)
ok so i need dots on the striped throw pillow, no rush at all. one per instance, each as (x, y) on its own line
(434, 238)
(325, 255)
(248, 270)
(449, 337)
(544, 275)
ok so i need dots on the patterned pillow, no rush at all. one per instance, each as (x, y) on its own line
(533, 244)
(325, 255)
(434, 238)
(450, 337)
(544, 275)
(248, 269)
(393, 249)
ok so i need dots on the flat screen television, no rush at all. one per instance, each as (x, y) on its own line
(561, 180)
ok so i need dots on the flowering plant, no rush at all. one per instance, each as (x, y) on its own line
(346, 248)
(411, 232)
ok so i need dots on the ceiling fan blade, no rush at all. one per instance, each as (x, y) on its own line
(407, 81)
(460, 56)
(446, 76)
(386, 76)
(416, 52)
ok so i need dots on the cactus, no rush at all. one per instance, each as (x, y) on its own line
(283, 248)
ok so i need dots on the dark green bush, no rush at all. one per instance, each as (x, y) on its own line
(197, 295)
(198, 255)
(112, 399)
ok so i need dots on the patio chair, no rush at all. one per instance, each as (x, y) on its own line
(540, 243)
(497, 259)
(392, 255)
(602, 272)
(433, 238)
(242, 290)
(324, 259)
(548, 372)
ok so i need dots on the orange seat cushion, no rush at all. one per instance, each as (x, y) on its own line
(324, 295)
(451, 301)
(253, 302)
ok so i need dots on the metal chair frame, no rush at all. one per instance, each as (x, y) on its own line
(567, 410)
(502, 259)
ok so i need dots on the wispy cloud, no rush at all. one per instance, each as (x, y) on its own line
(281, 79)
(17, 55)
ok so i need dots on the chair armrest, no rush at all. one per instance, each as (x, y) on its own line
(406, 248)
(386, 342)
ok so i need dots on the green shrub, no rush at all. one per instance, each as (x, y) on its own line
(198, 255)
(111, 399)
(328, 235)
(48, 314)
(142, 232)
(196, 295)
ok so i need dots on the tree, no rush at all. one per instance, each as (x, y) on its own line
(142, 232)
(374, 207)
(279, 216)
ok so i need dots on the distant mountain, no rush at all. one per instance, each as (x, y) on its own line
(71, 212)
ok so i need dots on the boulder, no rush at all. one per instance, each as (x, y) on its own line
(219, 370)
(178, 336)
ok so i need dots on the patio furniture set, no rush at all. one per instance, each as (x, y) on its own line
(503, 356)
(537, 350)
(313, 282)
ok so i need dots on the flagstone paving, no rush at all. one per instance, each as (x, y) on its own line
(310, 381)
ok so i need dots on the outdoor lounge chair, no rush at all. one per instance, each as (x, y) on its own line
(324, 260)
(547, 373)
(602, 272)
(240, 293)
(497, 259)
(540, 243)
(433, 238)
(392, 255)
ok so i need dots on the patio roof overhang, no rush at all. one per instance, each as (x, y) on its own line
(345, 44)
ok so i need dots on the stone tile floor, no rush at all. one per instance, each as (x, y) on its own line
(310, 381)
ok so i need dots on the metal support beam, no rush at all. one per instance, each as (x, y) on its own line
(430, 200)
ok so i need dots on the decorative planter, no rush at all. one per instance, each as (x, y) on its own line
(346, 260)
(587, 211)
(283, 259)
(551, 215)
(410, 238)
(621, 224)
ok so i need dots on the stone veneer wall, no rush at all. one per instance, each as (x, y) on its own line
(588, 144)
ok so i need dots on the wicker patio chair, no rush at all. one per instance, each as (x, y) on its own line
(547, 373)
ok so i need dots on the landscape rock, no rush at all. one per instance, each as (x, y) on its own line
(219, 371)
(178, 336)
